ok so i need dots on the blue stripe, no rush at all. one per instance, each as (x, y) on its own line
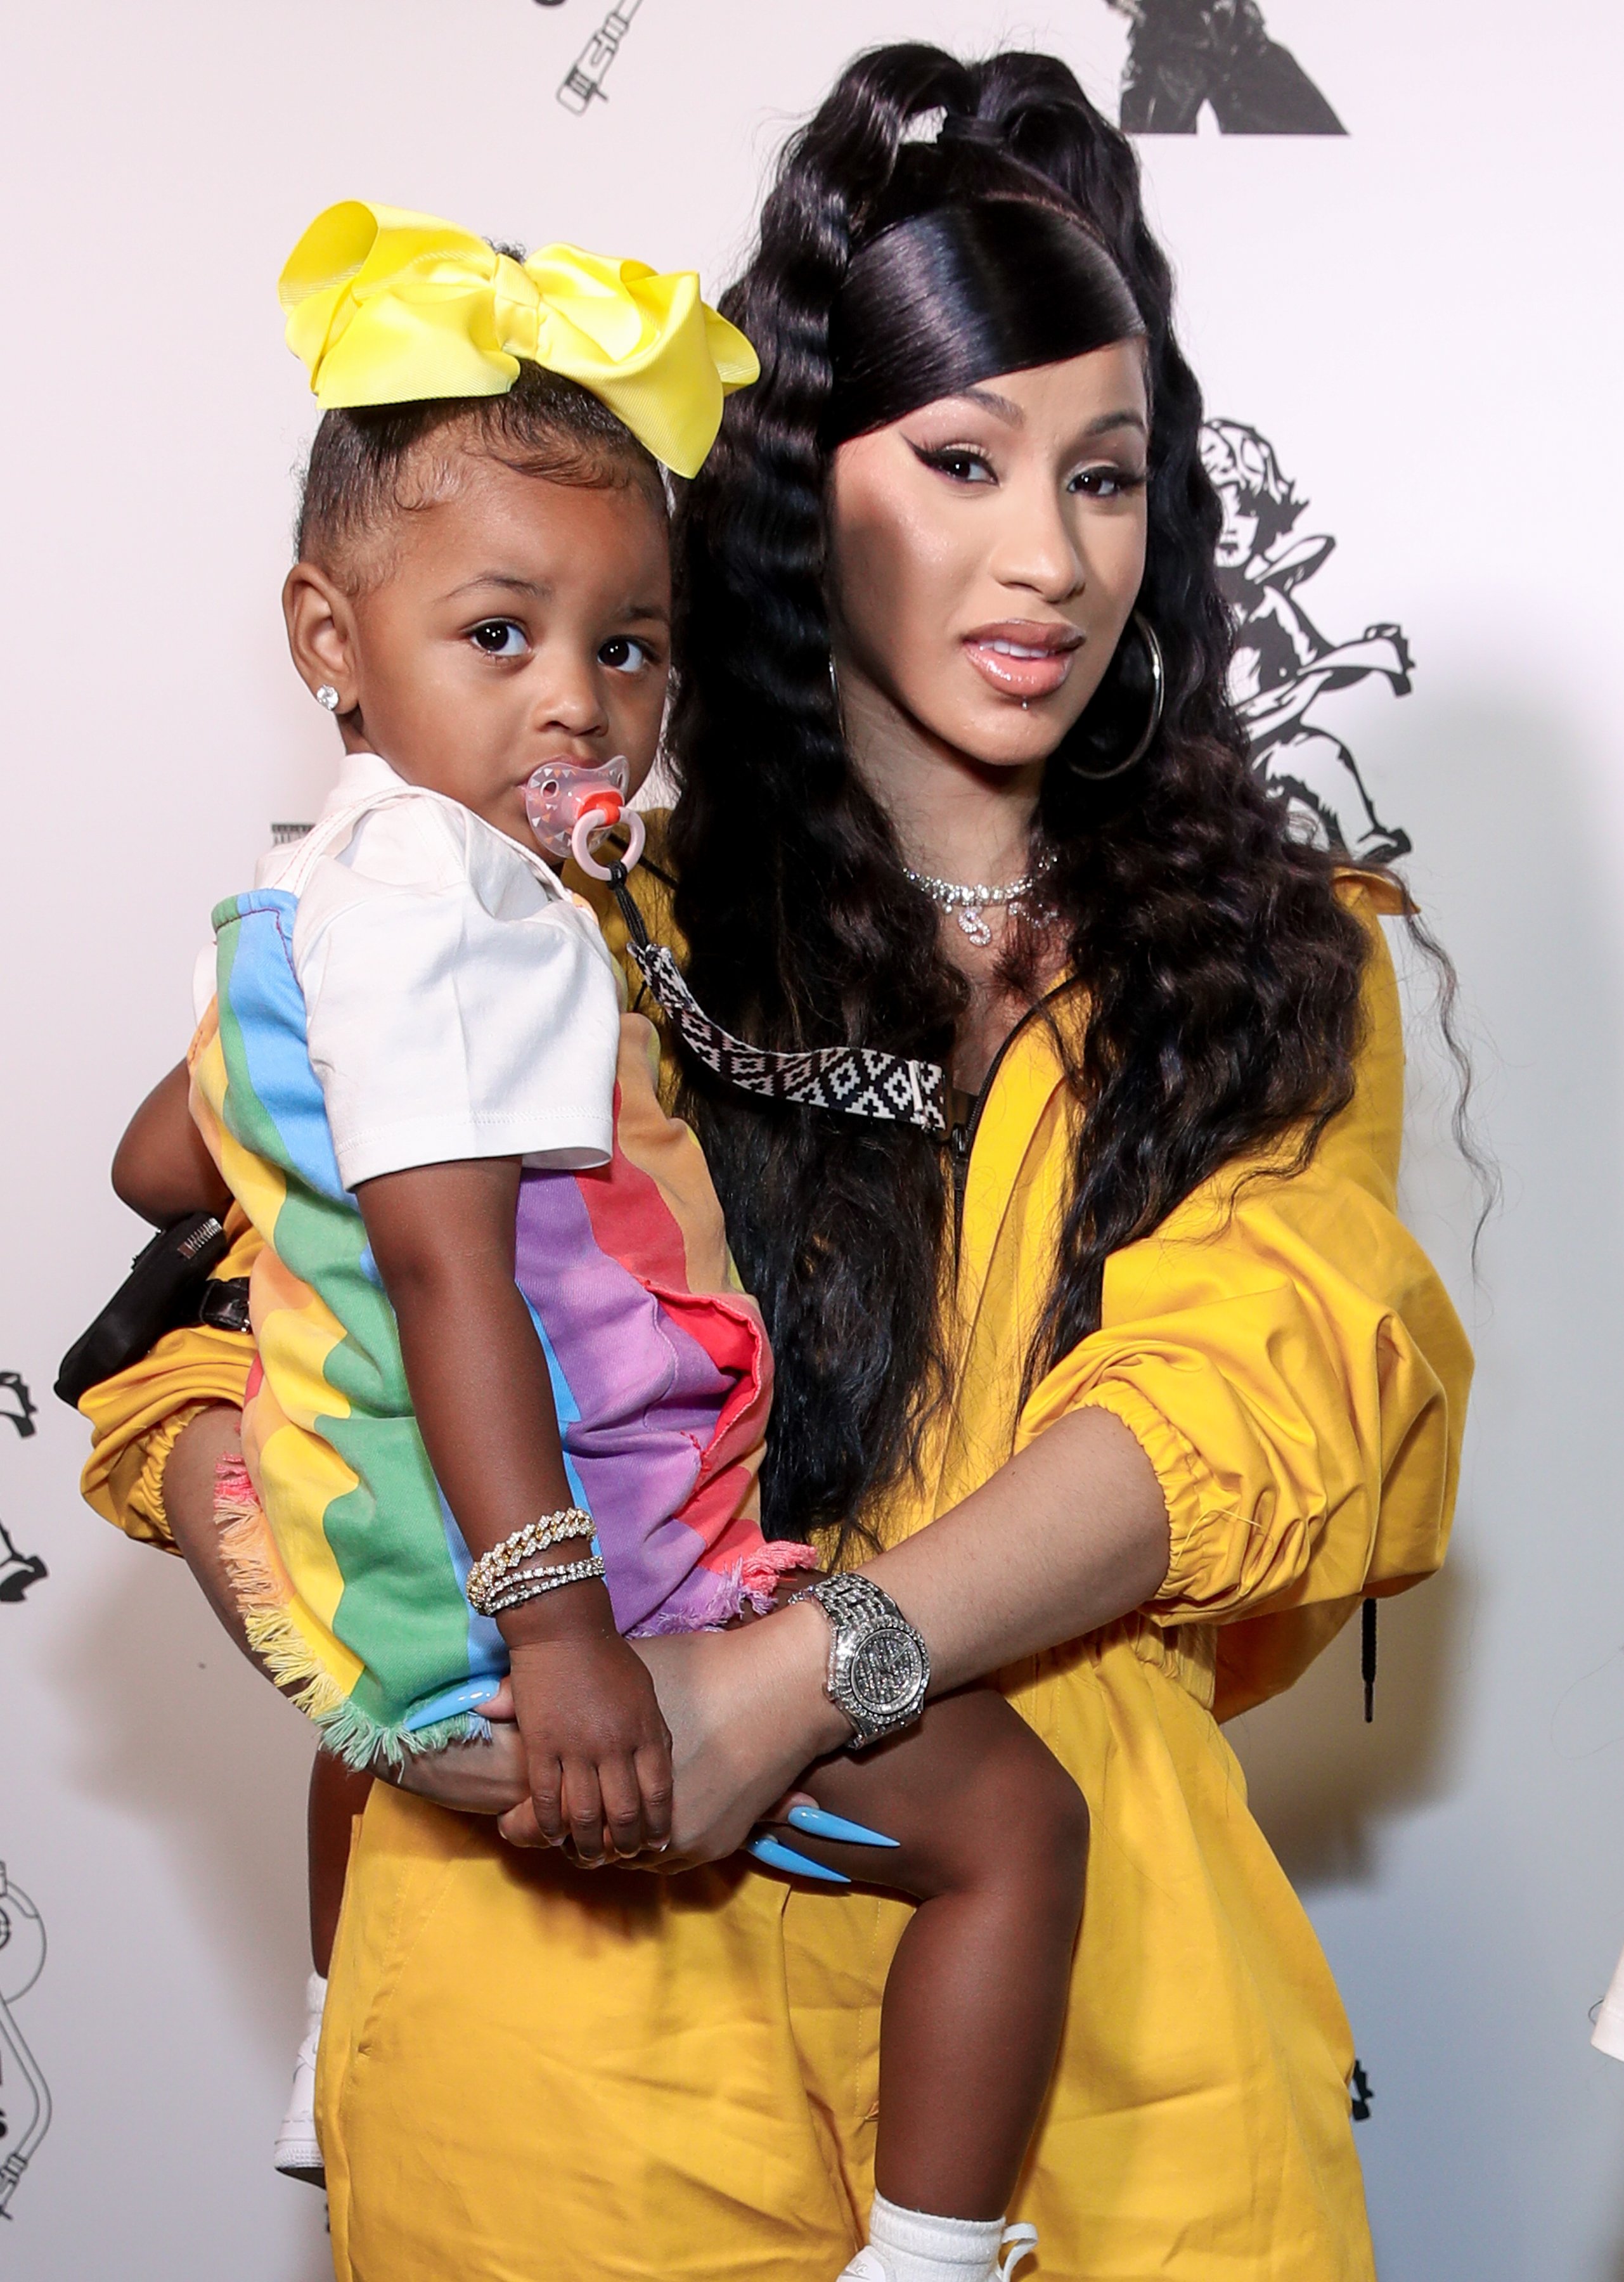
(269, 1007)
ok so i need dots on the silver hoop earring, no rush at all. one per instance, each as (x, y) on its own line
(1147, 632)
(329, 696)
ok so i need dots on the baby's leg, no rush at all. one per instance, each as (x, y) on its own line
(337, 1794)
(994, 1846)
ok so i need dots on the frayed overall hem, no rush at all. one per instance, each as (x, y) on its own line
(709, 1601)
(265, 1598)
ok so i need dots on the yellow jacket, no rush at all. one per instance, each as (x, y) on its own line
(529, 2073)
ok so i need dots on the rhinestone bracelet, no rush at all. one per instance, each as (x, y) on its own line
(489, 1572)
(534, 1582)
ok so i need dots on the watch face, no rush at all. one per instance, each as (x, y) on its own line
(889, 1672)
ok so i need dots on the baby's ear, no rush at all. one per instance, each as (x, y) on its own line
(321, 624)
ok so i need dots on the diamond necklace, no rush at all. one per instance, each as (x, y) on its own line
(969, 904)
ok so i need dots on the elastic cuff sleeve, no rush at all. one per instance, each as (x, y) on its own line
(144, 1507)
(1187, 1484)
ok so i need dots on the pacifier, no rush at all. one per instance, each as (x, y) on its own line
(570, 806)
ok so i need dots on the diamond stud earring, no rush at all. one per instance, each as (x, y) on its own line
(329, 696)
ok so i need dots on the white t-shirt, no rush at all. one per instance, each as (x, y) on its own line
(459, 1001)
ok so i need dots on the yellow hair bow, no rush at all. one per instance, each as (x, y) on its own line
(391, 307)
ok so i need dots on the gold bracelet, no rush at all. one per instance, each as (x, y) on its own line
(491, 1570)
(532, 1583)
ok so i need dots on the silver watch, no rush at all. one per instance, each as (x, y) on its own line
(879, 1667)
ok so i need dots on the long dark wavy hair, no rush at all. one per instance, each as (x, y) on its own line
(1222, 975)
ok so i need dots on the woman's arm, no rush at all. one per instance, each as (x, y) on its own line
(1070, 1536)
(1265, 1426)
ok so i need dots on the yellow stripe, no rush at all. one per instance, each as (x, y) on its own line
(259, 1188)
(297, 1332)
(298, 1476)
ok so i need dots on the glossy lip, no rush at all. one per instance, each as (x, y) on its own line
(1045, 667)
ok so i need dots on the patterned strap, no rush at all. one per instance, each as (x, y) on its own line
(860, 1080)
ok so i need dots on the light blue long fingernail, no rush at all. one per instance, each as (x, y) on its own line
(468, 1695)
(777, 1856)
(818, 1824)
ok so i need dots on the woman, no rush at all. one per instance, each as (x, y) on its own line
(1142, 1341)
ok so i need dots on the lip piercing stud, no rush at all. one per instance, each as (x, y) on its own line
(329, 696)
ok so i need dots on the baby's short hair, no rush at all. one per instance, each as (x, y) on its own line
(371, 465)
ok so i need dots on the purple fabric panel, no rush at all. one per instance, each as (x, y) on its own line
(705, 1599)
(647, 1397)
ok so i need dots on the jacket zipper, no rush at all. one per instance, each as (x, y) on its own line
(961, 1138)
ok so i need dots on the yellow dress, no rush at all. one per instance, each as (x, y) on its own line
(531, 2074)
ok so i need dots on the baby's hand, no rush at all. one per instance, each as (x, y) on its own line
(597, 1750)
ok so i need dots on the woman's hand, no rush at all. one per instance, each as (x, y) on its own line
(474, 1778)
(747, 1713)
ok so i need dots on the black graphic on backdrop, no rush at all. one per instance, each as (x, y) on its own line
(25, 2099)
(1181, 55)
(1184, 53)
(1284, 667)
(586, 75)
(17, 1569)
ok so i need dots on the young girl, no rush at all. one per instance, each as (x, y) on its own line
(511, 1399)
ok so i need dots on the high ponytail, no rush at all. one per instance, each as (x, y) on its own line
(1222, 974)
(754, 541)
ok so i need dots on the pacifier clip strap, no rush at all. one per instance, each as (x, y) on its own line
(862, 1080)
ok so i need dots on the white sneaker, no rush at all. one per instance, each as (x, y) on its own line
(299, 2152)
(1018, 2243)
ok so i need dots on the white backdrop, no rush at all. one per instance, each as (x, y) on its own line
(1421, 318)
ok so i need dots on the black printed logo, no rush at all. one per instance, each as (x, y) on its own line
(1186, 54)
(15, 1403)
(24, 2098)
(17, 1569)
(583, 79)
(1284, 669)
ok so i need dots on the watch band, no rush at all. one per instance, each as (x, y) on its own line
(879, 1667)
